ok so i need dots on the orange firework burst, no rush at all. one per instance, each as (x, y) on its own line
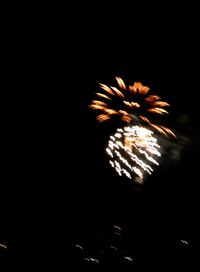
(130, 103)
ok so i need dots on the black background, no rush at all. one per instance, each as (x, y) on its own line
(56, 186)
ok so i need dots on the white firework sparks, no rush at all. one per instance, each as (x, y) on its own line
(133, 151)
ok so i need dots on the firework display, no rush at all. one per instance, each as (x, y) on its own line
(133, 150)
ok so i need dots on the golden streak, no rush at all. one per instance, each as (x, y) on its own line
(168, 131)
(106, 88)
(118, 92)
(135, 105)
(123, 112)
(104, 96)
(160, 104)
(97, 107)
(144, 90)
(158, 128)
(127, 103)
(157, 110)
(102, 117)
(121, 83)
(152, 98)
(138, 85)
(126, 118)
(141, 89)
(97, 102)
(110, 111)
(161, 129)
(132, 89)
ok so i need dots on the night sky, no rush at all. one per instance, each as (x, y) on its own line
(59, 196)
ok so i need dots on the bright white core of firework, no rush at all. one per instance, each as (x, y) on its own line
(133, 151)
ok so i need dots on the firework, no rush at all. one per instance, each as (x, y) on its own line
(131, 103)
(133, 151)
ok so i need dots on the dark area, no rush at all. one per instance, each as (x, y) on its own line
(60, 201)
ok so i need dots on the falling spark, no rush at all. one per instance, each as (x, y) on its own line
(79, 246)
(3, 246)
(185, 242)
(128, 258)
(117, 227)
(89, 259)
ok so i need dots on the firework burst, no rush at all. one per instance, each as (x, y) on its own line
(133, 150)
(130, 103)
